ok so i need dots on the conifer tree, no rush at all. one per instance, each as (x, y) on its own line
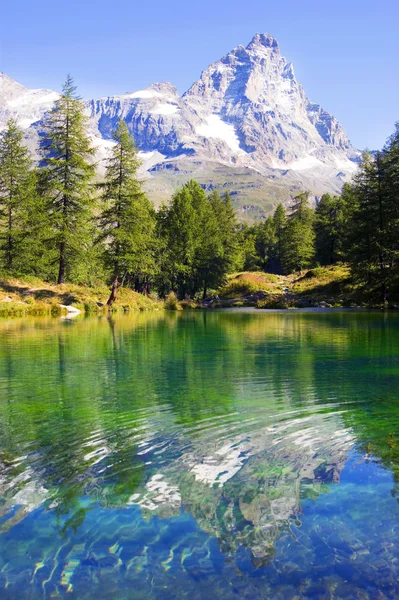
(67, 151)
(299, 238)
(368, 235)
(192, 242)
(279, 223)
(16, 192)
(327, 229)
(127, 219)
(390, 157)
(247, 237)
(227, 226)
(178, 229)
(199, 241)
(208, 264)
(34, 255)
(266, 243)
(347, 208)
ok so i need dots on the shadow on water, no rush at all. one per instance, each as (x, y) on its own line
(208, 453)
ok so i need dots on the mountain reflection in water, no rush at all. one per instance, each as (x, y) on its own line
(205, 453)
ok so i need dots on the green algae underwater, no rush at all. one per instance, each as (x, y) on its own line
(200, 455)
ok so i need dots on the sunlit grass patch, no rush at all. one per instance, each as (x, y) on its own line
(31, 296)
(246, 283)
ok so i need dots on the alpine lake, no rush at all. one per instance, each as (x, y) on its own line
(200, 455)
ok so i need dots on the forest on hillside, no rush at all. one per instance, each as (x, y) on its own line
(59, 223)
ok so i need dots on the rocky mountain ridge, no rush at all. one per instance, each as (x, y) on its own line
(245, 125)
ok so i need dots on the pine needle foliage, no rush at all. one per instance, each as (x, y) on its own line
(69, 171)
(16, 191)
(127, 217)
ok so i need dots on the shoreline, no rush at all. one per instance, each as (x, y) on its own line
(319, 289)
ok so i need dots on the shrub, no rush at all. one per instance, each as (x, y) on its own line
(171, 302)
(188, 304)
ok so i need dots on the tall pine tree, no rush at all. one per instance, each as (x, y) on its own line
(279, 223)
(327, 228)
(368, 239)
(299, 238)
(391, 173)
(127, 219)
(227, 256)
(17, 190)
(67, 154)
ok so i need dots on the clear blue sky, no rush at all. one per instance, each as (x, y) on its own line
(345, 53)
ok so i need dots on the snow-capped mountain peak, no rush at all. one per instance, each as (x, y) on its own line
(246, 119)
(26, 106)
(9, 89)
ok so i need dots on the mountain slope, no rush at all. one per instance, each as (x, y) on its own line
(245, 125)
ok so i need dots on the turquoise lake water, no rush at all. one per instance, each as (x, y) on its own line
(225, 455)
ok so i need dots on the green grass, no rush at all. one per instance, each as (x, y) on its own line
(247, 283)
(31, 296)
(331, 279)
(330, 286)
(333, 284)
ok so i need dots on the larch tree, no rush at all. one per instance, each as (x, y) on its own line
(327, 225)
(227, 232)
(250, 259)
(266, 243)
(369, 248)
(299, 237)
(199, 240)
(279, 222)
(16, 193)
(391, 190)
(182, 232)
(69, 170)
(127, 218)
(209, 251)
(177, 229)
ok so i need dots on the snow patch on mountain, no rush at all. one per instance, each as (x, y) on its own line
(215, 127)
(149, 160)
(100, 143)
(143, 94)
(26, 106)
(307, 162)
(32, 97)
(165, 109)
(346, 164)
(23, 123)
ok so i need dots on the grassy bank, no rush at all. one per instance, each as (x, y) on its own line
(32, 296)
(319, 287)
(330, 286)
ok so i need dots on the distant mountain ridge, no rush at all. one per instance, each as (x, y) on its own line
(245, 125)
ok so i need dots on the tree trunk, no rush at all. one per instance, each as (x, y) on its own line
(61, 270)
(114, 291)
